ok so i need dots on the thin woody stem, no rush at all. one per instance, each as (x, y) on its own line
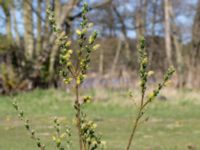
(139, 115)
(142, 100)
(78, 117)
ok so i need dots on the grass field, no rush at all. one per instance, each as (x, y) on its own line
(174, 124)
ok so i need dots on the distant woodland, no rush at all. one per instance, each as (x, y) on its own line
(29, 57)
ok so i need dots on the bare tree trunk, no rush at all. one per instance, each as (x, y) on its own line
(179, 61)
(57, 11)
(45, 28)
(168, 32)
(178, 50)
(39, 28)
(154, 17)
(140, 18)
(17, 38)
(124, 31)
(153, 31)
(194, 68)
(28, 25)
(116, 58)
(8, 26)
(6, 10)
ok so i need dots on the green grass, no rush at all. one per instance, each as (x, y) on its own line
(173, 124)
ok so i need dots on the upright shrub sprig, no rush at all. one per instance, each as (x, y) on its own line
(75, 72)
(143, 74)
(28, 127)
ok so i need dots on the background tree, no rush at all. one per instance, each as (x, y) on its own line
(167, 25)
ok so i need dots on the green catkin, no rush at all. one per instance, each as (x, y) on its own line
(77, 70)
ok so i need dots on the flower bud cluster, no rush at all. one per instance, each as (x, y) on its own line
(86, 45)
(90, 139)
(167, 77)
(87, 99)
(143, 65)
(60, 136)
(144, 73)
(76, 69)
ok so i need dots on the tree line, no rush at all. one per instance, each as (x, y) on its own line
(29, 53)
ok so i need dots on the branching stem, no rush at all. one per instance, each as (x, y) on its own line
(135, 126)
